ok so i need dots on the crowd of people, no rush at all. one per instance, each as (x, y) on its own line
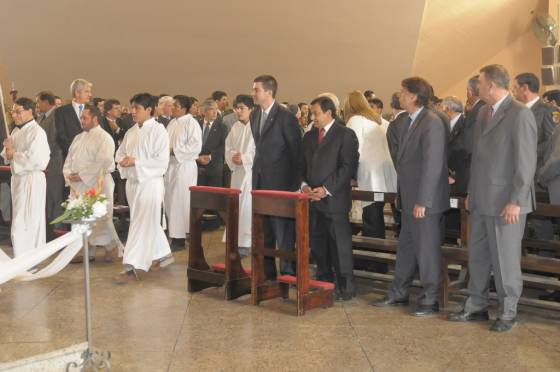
(496, 149)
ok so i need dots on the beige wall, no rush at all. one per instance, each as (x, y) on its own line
(189, 47)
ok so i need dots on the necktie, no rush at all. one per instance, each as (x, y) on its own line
(264, 115)
(206, 131)
(490, 114)
(81, 108)
(408, 126)
(321, 135)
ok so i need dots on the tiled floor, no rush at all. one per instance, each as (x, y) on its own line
(155, 325)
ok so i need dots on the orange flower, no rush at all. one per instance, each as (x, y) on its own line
(91, 192)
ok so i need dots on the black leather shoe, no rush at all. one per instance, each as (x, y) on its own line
(177, 245)
(553, 296)
(345, 289)
(502, 325)
(465, 316)
(426, 310)
(390, 301)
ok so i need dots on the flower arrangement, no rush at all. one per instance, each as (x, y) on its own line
(89, 205)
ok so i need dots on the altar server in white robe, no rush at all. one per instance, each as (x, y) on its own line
(142, 159)
(91, 156)
(185, 143)
(27, 152)
(376, 171)
(240, 152)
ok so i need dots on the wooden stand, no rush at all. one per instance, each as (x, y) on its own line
(231, 275)
(310, 293)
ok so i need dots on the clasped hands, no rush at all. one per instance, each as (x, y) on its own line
(316, 193)
(9, 147)
(127, 161)
(510, 213)
(236, 158)
(204, 159)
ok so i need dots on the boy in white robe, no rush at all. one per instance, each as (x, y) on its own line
(185, 142)
(90, 156)
(239, 154)
(27, 152)
(142, 160)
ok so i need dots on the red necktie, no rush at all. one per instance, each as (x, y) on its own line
(321, 135)
(490, 112)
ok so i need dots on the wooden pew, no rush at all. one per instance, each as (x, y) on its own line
(230, 274)
(310, 293)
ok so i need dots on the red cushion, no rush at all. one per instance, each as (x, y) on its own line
(222, 267)
(290, 279)
(5, 168)
(275, 194)
(215, 190)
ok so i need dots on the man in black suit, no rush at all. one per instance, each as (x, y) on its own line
(164, 110)
(423, 191)
(275, 167)
(112, 122)
(330, 160)
(458, 157)
(211, 159)
(67, 117)
(474, 104)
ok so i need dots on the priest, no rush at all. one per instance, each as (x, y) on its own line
(185, 143)
(142, 160)
(27, 152)
(90, 157)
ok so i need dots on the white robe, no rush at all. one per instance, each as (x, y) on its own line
(149, 145)
(376, 171)
(90, 154)
(28, 187)
(185, 141)
(240, 139)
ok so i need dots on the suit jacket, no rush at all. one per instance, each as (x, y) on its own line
(278, 150)
(504, 159)
(215, 147)
(470, 121)
(459, 157)
(331, 164)
(549, 173)
(68, 126)
(545, 127)
(397, 127)
(56, 162)
(116, 135)
(422, 165)
(164, 120)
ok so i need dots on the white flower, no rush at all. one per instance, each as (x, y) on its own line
(99, 209)
(74, 203)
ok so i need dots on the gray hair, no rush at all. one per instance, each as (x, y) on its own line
(453, 103)
(209, 103)
(497, 74)
(473, 85)
(333, 98)
(78, 85)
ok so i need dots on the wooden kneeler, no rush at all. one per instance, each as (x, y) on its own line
(230, 274)
(310, 293)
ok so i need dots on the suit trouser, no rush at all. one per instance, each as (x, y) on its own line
(279, 232)
(495, 247)
(419, 246)
(374, 220)
(331, 243)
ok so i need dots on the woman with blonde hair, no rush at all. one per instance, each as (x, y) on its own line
(376, 171)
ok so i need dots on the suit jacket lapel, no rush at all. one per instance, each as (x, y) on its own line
(497, 117)
(328, 137)
(269, 119)
(410, 132)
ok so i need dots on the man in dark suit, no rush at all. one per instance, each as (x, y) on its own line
(330, 159)
(501, 193)
(164, 110)
(423, 196)
(474, 104)
(211, 159)
(458, 158)
(112, 122)
(275, 167)
(67, 117)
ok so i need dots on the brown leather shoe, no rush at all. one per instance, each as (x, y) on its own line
(125, 276)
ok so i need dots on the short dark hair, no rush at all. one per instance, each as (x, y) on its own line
(96, 100)
(497, 74)
(108, 105)
(553, 95)
(94, 111)
(369, 93)
(420, 87)
(245, 99)
(268, 82)
(194, 99)
(57, 97)
(145, 100)
(218, 94)
(301, 104)
(473, 85)
(376, 102)
(26, 103)
(326, 104)
(395, 101)
(45, 95)
(530, 79)
(184, 101)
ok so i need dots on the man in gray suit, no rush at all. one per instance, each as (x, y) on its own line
(501, 193)
(55, 180)
(424, 196)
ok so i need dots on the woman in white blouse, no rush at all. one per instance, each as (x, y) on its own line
(376, 171)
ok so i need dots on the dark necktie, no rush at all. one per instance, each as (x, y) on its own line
(206, 132)
(321, 135)
(490, 114)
